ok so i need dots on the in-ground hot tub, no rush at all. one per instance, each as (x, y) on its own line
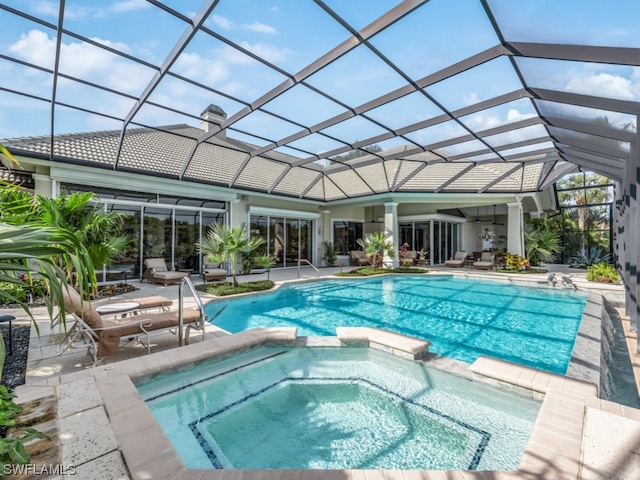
(337, 408)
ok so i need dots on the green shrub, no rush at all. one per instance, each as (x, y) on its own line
(17, 291)
(368, 271)
(603, 273)
(12, 449)
(226, 288)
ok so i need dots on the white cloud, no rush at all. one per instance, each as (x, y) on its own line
(603, 85)
(482, 121)
(35, 47)
(268, 52)
(76, 12)
(259, 27)
(83, 60)
(514, 115)
(192, 65)
(129, 5)
(222, 22)
(485, 120)
(49, 9)
(120, 46)
(471, 99)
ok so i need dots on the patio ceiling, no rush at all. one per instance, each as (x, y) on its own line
(326, 100)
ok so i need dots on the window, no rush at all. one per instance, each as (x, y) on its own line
(345, 235)
(158, 225)
(585, 201)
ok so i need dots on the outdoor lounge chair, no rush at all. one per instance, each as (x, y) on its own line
(102, 336)
(486, 262)
(358, 258)
(212, 272)
(457, 261)
(156, 271)
(144, 304)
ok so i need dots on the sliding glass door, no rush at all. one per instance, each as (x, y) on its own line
(286, 239)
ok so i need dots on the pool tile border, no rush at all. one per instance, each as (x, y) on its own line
(208, 451)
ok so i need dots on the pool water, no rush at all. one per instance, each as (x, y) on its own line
(462, 318)
(335, 408)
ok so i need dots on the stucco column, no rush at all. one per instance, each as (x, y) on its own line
(391, 232)
(44, 184)
(325, 234)
(237, 212)
(515, 242)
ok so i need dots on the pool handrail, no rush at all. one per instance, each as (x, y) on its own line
(308, 263)
(203, 316)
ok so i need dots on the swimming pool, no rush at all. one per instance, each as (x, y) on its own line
(336, 408)
(462, 318)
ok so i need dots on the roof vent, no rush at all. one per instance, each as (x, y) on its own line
(213, 114)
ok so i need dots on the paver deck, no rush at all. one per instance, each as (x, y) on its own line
(566, 441)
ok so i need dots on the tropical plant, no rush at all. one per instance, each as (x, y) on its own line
(231, 245)
(97, 231)
(376, 246)
(358, 152)
(330, 256)
(602, 272)
(6, 153)
(591, 256)
(541, 244)
(25, 251)
(515, 262)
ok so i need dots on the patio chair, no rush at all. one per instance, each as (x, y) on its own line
(358, 258)
(457, 261)
(212, 272)
(102, 336)
(486, 262)
(156, 271)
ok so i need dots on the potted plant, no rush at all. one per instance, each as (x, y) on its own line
(330, 256)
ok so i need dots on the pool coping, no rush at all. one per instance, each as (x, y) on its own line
(553, 450)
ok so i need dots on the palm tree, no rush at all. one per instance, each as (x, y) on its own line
(574, 190)
(541, 245)
(231, 245)
(376, 246)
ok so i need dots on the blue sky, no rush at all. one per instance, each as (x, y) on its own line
(291, 34)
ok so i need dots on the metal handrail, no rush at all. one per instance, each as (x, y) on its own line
(308, 263)
(186, 280)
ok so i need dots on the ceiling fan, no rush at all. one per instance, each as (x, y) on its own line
(494, 219)
(373, 215)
